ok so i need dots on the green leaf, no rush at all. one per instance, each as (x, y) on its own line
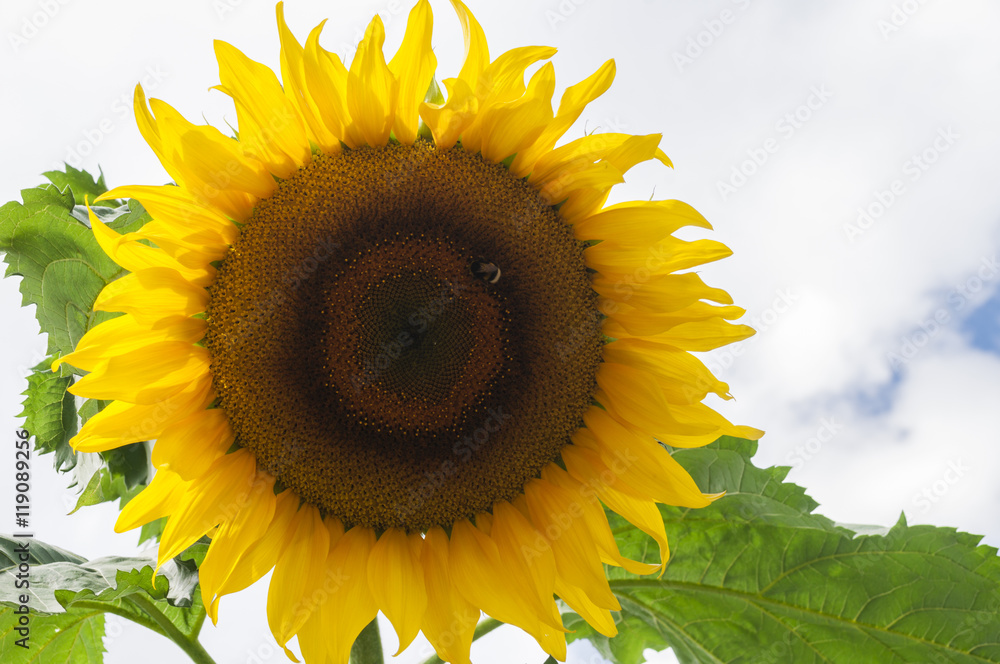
(756, 577)
(48, 242)
(50, 414)
(74, 637)
(38, 553)
(102, 579)
(105, 486)
(81, 183)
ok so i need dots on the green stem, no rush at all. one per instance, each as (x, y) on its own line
(190, 646)
(482, 629)
(367, 648)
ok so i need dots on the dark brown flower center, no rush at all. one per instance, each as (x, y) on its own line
(396, 335)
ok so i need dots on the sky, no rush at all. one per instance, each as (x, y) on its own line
(845, 151)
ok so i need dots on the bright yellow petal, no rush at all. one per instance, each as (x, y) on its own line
(574, 100)
(450, 620)
(293, 75)
(125, 334)
(210, 166)
(413, 66)
(160, 498)
(351, 605)
(209, 500)
(556, 514)
(641, 223)
(586, 467)
(645, 468)
(585, 496)
(657, 294)
(147, 375)
(447, 121)
(326, 78)
(624, 320)
(512, 127)
(298, 570)
(257, 560)
(152, 295)
(477, 53)
(396, 579)
(682, 377)
(644, 267)
(134, 256)
(177, 207)
(599, 618)
(121, 423)
(635, 396)
(193, 444)
(371, 91)
(236, 534)
(270, 127)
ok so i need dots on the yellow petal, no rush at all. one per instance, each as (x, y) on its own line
(503, 82)
(599, 618)
(645, 468)
(298, 570)
(293, 76)
(210, 166)
(450, 620)
(236, 534)
(209, 500)
(160, 498)
(270, 127)
(701, 335)
(586, 467)
(520, 549)
(134, 256)
(481, 577)
(512, 127)
(125, 334)
(413, 66)
(639, 222)
(396, 580)
(350, 606)
(574, 100)
(121, 423)
(586, 497)
(658, 294)
(177, 207)
(556, 514)
(644, 267)
(624, 320)
(447, 121)
(634, 396)
(257, 560)
(477, 53)
(371, 91)
(152, 295)
(326, 78)
(147, 375)
(682, 377)
(193, 444)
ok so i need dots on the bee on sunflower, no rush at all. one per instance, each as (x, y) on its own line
(395, 347)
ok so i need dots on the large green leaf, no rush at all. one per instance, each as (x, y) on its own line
(756, 577)
(68, 597)
(74, 637)
(47, 241)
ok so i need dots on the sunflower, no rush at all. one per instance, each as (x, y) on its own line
(394, 346)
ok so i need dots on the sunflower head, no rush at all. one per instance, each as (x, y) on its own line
(396, 339)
